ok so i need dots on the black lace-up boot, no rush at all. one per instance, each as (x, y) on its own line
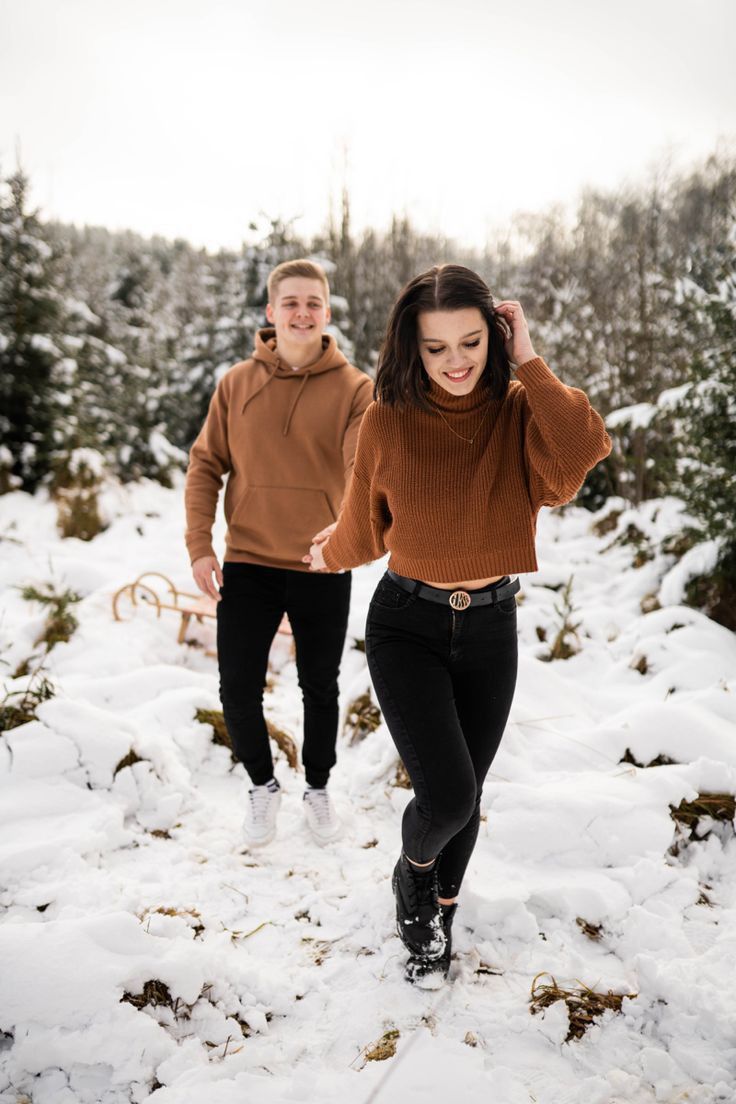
(418, 913)
(429, 973)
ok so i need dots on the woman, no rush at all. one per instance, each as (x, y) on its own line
(454, 461)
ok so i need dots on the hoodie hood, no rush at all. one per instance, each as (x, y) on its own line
(266, 357)
(267, 353)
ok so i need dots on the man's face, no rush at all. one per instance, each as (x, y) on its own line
(300, 310)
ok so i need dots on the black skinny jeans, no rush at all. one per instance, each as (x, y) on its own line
(445, 681)
(253, 601)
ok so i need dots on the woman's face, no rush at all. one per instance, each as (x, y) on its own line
(453, 346)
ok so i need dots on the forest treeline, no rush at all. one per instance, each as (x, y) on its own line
(112, 343)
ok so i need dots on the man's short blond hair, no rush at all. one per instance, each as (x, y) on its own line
(309, 270)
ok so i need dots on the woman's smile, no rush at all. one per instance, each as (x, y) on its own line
(459, 376)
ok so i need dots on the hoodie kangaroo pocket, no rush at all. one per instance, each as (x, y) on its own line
(278, 523)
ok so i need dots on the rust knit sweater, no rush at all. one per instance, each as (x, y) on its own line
(448, 510)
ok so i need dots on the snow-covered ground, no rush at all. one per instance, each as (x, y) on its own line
(281, 966)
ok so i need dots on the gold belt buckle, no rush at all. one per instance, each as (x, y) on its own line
(460, 599)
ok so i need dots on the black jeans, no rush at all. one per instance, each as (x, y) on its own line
(445, 681)
(253, 601)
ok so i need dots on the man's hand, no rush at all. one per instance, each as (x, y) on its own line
(203, 569)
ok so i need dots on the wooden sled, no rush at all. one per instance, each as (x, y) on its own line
(167, 597)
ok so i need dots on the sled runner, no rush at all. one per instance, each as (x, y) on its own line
(156, 590)
(163, 595)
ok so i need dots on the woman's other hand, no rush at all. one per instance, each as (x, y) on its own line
(314, 557)
(322, 536)
(519, 346)
(203, 569)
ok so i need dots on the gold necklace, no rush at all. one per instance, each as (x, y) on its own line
(460, 435)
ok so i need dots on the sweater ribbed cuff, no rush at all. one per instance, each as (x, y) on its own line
(535, 371)
(330, 563)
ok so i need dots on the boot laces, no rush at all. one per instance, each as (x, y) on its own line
(421, 891)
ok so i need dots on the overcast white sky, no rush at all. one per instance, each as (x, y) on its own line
(189, 118)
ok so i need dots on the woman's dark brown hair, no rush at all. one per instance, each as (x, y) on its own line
(400, 378)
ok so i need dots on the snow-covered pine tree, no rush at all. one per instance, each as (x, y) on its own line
(141, 322)
(707, 413)
(30, 324)
(217, 329)
(92, 370)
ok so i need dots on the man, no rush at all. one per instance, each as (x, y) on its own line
(283, 427)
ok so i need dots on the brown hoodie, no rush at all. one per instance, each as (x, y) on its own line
(286, 439)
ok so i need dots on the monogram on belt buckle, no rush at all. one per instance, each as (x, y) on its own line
(460, 599)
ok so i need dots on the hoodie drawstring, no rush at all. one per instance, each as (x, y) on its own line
(297, 397)
(258, 390)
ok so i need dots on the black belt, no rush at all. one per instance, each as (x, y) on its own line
(458, 599)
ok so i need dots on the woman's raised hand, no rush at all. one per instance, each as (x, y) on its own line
(519, 345)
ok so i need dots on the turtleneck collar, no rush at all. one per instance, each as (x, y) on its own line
(477, 399)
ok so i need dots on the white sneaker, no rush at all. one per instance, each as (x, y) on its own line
(259, 826)
(321, 817)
